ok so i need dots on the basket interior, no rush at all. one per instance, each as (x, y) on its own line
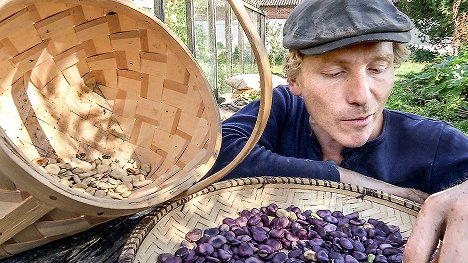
(101, 77)
(209, 207)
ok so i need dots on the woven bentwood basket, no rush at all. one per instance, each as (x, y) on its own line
(99, 80)
(163, 229)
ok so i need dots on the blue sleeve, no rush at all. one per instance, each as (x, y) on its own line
(451, 159)
(264, 159)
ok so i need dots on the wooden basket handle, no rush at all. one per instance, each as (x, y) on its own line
(264, 70)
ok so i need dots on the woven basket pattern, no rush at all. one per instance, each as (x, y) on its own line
(163, 229)
(97, 77)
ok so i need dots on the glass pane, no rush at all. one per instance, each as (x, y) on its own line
(202, 38)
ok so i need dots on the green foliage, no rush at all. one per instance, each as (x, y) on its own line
(273, 40)
(439, 91)
(433, 18)
(422, 55)
(174, 11)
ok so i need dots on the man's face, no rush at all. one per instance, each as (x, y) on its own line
(345, 91)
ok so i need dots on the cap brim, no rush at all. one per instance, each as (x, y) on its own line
(400, 37)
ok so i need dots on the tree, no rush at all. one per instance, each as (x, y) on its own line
(441, 22)
(175, 18)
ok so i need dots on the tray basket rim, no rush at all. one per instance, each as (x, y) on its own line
(152, 216)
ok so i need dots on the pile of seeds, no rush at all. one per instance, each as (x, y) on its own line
(272, 234)
(102, 177)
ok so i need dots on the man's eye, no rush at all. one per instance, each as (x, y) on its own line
(333, 74)
(377, 70)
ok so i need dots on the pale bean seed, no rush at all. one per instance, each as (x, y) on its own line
(52, 169)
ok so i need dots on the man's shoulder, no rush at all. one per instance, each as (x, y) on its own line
(416, 126)
(415, 121)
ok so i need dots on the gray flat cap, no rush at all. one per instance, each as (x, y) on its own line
(319, 26)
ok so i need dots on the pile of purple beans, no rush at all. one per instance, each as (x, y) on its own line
(272, 234)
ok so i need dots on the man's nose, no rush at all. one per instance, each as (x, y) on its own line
(358, 90)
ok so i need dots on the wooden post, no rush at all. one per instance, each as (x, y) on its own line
(190, 14)
(228, 35)
(159, 9)
(240, 47)
(212, 43)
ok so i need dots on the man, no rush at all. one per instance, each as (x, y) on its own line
(330, 122)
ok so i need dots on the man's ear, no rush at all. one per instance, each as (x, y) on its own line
(294, 86)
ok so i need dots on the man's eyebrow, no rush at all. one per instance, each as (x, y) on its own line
(340, 61)
(385, 57)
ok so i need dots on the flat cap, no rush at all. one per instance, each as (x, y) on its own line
(319, 26)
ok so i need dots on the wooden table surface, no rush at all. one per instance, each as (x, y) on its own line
(102, 243)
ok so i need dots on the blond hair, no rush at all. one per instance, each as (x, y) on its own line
(293, 61)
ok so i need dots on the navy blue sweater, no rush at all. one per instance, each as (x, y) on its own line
(412, 151)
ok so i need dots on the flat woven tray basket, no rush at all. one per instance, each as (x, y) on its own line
(163, 229)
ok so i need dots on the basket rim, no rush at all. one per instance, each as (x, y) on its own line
(152, 216)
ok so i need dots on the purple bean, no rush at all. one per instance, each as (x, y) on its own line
(277, 233)
(330, 228)
(244, 238)
(397, 258)
(319, 222)
(320, 231)
(388, 251)
(289, 236)
(163, 257)
(336, 256)
(357, 222)
(322, 213)
(182, 252)
(380, 259)
(275, 244)
(331, 219)
(359, 231)
(346, 243)
(272, 209)
(193, 235)
(295, 253)
(229, 221)
(322, 255)
(217, 241)
(240, 231)
(245, 213)
(173, 259)
(337, 234)
(353, 215)
(283, 222)
(350, 259)
(229, 235)
(315, 242)
(359, 255)
(224, 227)
(259, 236)
(311, 234)
(358, 246)
(204, 249)
(253, 260)
(212, 259)
(265, 220)
(241, 221)
(254, 220)
(337, 214)
(245, 250)
(301, 234)
(342, 221)
(211, 232)
(279, 257)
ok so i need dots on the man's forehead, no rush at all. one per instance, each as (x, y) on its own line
(371, 50)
